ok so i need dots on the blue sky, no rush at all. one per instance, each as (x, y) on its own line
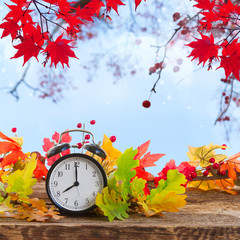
(181, 114)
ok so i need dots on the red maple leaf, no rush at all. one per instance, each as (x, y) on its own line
(113, 4)
(137, 2)
(59, 51)
(205, 4)
(40, 171)
(204, 49)
(11, 149)
(28, 48)
(49, 144)
(230, 59)
(10, 27)
(148, 160)
(17, 13)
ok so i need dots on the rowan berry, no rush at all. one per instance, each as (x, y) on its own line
(79, 125)
(212, 160)
(223, 173)
(14, 130)
(215, 165)
(79, 145)
(146, 103)
(87, 137)
(113, 138)
(193, 174)
(205, 173)
(92, 122)
(224, 146)
(208, 168)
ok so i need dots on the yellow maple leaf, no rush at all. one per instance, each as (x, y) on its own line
(199, 156)
(109, 164)
(169, 202)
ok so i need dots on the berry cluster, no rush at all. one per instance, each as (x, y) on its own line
(214, 168)
(157, 66)
(87, 136)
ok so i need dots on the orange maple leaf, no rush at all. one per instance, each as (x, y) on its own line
(11, 149)
(232, 165)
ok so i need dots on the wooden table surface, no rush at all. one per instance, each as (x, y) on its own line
(207, 215)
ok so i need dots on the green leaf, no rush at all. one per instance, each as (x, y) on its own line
(172, 184)
(125, 172)
(21, 181)
(112, 205)
(2, 187)
(137, 186)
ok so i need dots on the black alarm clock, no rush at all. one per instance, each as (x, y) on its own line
(74, 180)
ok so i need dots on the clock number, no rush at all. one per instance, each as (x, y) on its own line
(94, 173)
(55, 183)
(86, 166)
(67, 166)
(97, 184)
(87, 201)
(76, 203)
(76, 164)
(60, 174)
(58, 193)
(93, 194)
(66, 200)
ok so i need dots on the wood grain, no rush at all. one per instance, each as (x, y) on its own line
(207, 215)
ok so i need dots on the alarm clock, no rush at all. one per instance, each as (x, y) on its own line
(74, 180)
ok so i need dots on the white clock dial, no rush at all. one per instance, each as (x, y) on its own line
(74, 181)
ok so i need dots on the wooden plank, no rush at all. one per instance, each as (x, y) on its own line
(207, 215)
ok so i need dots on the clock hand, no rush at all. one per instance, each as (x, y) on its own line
(69, 188)
(76, 173)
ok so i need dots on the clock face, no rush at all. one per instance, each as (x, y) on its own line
(73, 182)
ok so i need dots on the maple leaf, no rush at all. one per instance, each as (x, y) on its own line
(21, 181)
(18, 14)
(10, 27)
(201, 155)
(113, 4)
(11, 149)
(230, 60)
(165, 197)
(40, 171)
(137, 2)
(148, 160)
(232, 166)
(205, 4)
(27, 49)
(48, 144)
(222, 184)
(59, 51)
(204, 49)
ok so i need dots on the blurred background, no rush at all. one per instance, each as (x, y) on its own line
(109, 82)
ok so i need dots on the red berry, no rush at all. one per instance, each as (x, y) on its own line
(87, 137)
(152, 70)
(113, 138)
(92, 122)
(224, 146)
(14, 130)
(79, 145)
(146, 104)
(215, 165)
(176, 16)
(205, 173)
(223, 173)
(223, 93)
(208, 168)
(193, 174)
(212, 160)
(79, 125)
